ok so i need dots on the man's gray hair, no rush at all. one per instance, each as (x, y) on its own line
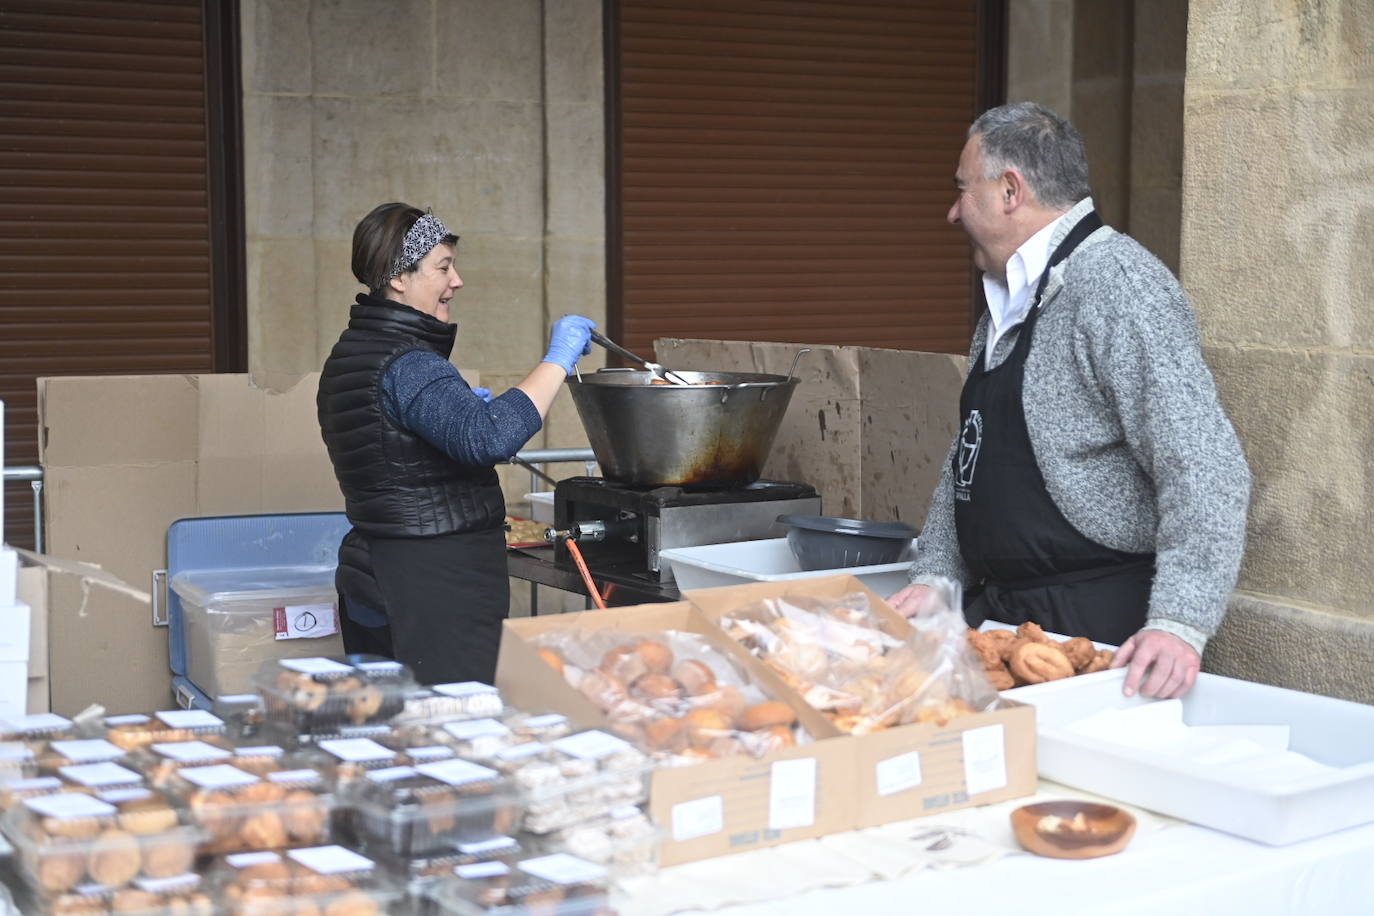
(1045, 148)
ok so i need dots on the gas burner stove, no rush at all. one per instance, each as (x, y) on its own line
(623, 529)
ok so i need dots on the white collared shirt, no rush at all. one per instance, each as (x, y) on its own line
(1009, 302)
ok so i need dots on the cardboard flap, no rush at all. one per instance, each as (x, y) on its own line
(94, 421)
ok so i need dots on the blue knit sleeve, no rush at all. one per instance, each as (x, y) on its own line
(423, 393)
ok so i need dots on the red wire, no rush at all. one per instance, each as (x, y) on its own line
(586, 573)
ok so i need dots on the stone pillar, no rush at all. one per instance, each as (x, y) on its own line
(1278, 214)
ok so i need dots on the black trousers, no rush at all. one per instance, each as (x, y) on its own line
(446, 598)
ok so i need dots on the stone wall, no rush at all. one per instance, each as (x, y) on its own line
(1278, 218)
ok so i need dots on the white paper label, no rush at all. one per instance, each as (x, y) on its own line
(391, 774)
(100, 774)
(304, 621)
(549, 720)
(120, 796)
(178, 884)
(89, 751)
(897, 774)
(591, 745)
(521, 751)
(189, 718)
(266, 750)
(492, 845)
(248, 859)
(70, 804)
(699, 817)
(792, 794)
(39, 722)
(134, 719)
(356, 750)
(330, 860)
(482, 870)
(220, 776)
(456, 772)
(475, 728)
(315, 666)
(40, 784)
(438, 752)
(239, 699)
(381, 667)
(985, 759)
(188, 751)
(463, 689)
(13, 750)
(561, 868)
(294, 777)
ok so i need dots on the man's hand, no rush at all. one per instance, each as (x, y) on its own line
(1172, 664)
(912, 601)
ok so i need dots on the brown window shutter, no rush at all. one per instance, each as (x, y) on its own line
(781, 170)
(105, 261)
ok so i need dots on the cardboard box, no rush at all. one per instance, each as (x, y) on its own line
(844, 781)
(33, 591)
(9, 574)
(868, 428)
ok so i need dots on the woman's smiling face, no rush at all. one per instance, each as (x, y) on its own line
(431, 285)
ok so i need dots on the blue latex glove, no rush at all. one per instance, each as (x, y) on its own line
(570, 340)
(483, 393)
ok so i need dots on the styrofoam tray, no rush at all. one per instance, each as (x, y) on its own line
(770, 560)
(1337, 733)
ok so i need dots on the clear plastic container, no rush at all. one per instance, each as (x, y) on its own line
(540, 726)
(68, 840)
(14, 791)
(244, 715)
(308, 696)
(426, 810)
(318, 879)
(542, 886)
(575, 779)
(43, 725)
(449, 702)
(133, 732)
(241, 811)
(477, 739)
(181, 895)
(235, 618)
(346, 760)
(625, 841)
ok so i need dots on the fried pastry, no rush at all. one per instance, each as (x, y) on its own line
(1036, 662)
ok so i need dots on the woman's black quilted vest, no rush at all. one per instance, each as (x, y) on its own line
(394, 483)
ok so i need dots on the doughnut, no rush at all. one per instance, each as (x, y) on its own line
(1036, 662)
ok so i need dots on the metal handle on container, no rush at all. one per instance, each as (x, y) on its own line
(159, 591)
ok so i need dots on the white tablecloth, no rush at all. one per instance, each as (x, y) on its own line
(1169, 868)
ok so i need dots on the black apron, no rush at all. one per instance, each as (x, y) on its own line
(1032, 565)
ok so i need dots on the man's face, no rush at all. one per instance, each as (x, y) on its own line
(433, 283)
(978, 209)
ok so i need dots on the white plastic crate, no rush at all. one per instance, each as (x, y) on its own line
(771, 560)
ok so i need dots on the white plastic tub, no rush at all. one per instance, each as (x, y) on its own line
(1337, 733)
(771, 560)
(541, 506)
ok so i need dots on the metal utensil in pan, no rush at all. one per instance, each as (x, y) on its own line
(667, 375)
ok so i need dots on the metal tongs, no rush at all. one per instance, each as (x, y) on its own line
(656, 370)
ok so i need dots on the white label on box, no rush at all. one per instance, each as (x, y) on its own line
(456, 772)
(475, 728)
(792, 794)
(134, 719)
(331, 860)
(521, 751)
(545, 721)
(87, 751)
(391, 774)
(591, 745)
(383, 667)
(249, 859)
(699, 817)
(265, 750)
(463, 689)
(179, 884)
(100, 774)
(13, 750)
(220, 776)
(315, 666)
(189, 751)
(561, 868)
(438, 752)
(189, 718)
(39, 722)
(294, 777)
(985, 759)
(492, 845)
(304, 621)
(237, 699)
(356, 750)
(897, 774)
(482, 870)
(123, 796)
(38, 784)
(70, 804)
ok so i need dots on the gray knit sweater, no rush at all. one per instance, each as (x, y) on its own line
(1127, 430)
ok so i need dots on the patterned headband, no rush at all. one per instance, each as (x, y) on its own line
(427, 232)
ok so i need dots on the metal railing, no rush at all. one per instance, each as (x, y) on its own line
(34, 475)
(536, 456)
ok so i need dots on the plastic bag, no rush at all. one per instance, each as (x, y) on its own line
(863, 670)
(672, 693)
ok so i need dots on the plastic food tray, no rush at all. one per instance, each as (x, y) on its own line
(311, 695)
(771, 560)
(239, 810)
(318, 879)
(1333, 732)
(551, 885)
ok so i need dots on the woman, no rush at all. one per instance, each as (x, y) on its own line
(422, 574)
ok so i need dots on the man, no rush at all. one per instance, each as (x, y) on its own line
(1095, 486)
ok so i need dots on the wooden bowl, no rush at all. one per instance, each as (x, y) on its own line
(1072, 829)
